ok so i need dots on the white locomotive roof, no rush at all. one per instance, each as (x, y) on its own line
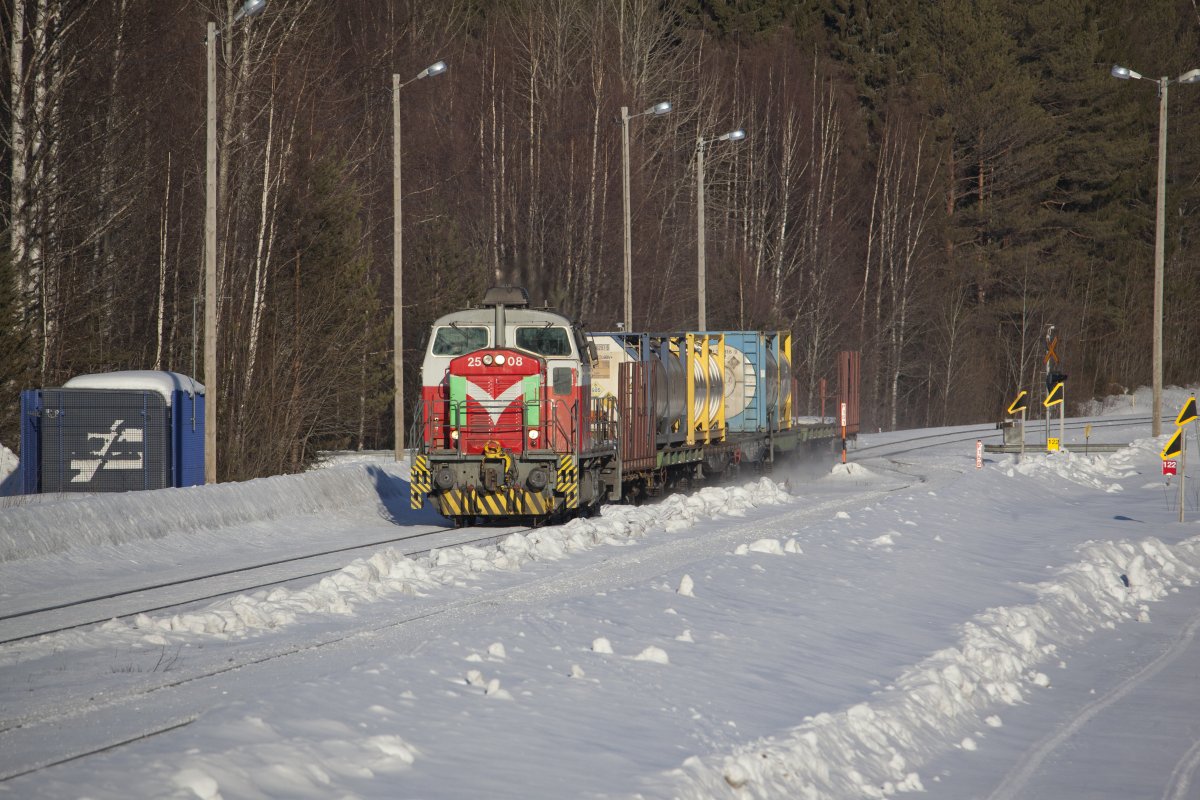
(512, 316)
(147, 380)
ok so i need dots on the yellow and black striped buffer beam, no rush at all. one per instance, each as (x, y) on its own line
(420, 481)
(511, 502)
(567, 483)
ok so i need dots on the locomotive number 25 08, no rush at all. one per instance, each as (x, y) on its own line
(477, 361)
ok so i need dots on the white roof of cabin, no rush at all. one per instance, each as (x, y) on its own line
(144, 379)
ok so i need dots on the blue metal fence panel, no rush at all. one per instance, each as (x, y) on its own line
(31, 424)
(104, 440)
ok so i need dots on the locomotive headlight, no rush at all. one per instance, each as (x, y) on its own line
(533, 435)
(500, 359)
(454, 434)
(487, 360)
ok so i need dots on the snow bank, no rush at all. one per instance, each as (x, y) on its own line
(1140, 401)
(851, 469)
(1097, 471)
(76, 521)
(872, 749)
(8, 471)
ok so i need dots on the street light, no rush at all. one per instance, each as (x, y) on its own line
(1191, 76)
(436, 68)
(732, 136)
(248, 9)
(658, 109)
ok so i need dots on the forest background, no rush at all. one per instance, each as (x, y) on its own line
(932, 183)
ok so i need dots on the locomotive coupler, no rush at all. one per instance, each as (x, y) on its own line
(499, 468)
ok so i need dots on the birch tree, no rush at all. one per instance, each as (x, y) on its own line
(899, 225)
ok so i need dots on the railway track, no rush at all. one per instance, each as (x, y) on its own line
(70, 614)
(975, 432)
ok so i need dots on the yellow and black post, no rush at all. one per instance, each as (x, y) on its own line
(419, 481)
(567, 482)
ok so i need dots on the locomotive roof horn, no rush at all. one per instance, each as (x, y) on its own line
(512, 296)
(502, 297)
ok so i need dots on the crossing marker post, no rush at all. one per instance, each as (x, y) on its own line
(843, 433)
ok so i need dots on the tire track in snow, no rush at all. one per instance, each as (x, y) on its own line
(1181, 777)
(1017, 777)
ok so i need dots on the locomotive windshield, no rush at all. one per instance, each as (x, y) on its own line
(544, 341)
(455, 340)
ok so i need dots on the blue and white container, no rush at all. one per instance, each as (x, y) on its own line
(752, 381)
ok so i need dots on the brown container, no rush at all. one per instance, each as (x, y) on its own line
(635, 404)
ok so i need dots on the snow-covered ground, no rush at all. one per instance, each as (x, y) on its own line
(902, 624)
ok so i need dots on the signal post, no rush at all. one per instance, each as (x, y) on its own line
(1174, 455)
(1055, 390)
(1054, 397)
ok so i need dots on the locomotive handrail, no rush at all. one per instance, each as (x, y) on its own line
(604, 420)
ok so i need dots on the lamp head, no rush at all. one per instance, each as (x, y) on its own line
(732, 136)
(660, 108)
(1124, 73)
(436, 68)
(1191, 76)
(250, 8)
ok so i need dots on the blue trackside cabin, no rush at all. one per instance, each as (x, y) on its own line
(113, 432)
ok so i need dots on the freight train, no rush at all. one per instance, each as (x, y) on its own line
(524, 416)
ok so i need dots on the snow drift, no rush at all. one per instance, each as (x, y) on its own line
(55, 525)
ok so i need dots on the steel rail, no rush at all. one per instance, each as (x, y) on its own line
(233, 591)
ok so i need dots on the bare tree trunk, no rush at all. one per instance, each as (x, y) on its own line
(160, 316)
(905, 210)
(787, 146)
(496, 174)
(17, 172)
(258, 302)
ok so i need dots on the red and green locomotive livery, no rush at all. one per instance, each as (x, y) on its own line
(525, 417)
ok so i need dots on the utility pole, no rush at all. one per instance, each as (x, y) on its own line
(210, 266)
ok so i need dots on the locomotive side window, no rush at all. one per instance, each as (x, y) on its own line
(454, 341)
(562, 380)
(544, 341)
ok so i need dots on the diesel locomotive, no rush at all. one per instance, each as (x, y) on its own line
(523, 416)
